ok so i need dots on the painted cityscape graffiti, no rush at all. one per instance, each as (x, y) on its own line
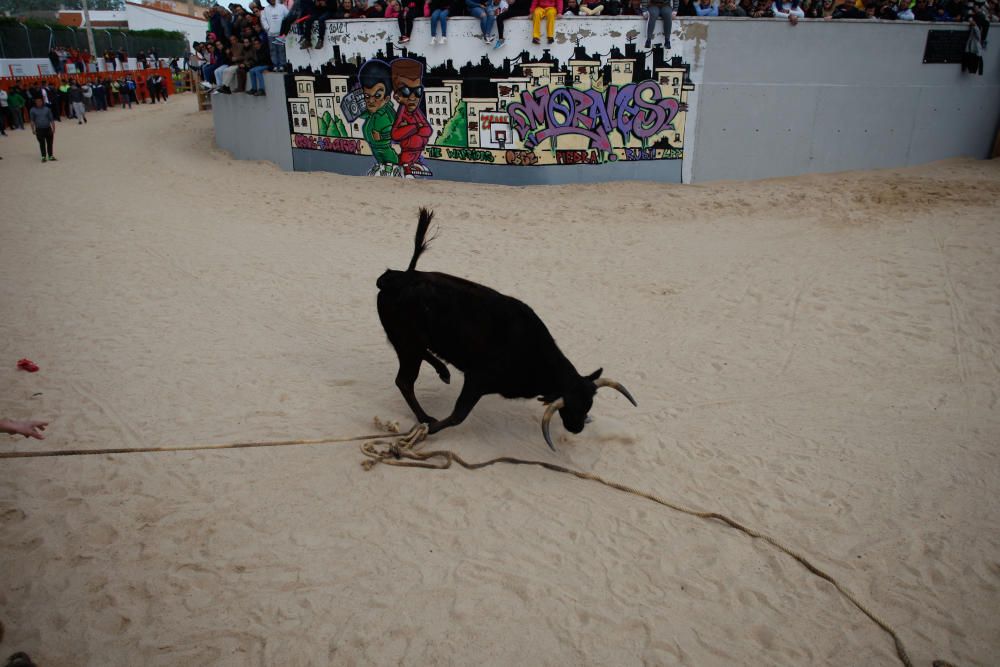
(591, 109)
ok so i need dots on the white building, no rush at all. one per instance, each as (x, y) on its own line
(142, 17)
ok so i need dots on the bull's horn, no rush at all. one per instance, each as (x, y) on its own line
(547, 417)
(602, 382)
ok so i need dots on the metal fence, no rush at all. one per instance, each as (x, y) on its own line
(21, 41)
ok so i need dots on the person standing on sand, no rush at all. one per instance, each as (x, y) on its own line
(42, 124)
(76, 101)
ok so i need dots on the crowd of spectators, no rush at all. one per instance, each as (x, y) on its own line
(69, 60)
(241, 44)
(71, 98)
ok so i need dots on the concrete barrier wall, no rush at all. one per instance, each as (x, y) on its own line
(778, 100)
(764, 99)
(255, 128)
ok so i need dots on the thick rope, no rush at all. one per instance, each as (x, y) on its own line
(404, 452)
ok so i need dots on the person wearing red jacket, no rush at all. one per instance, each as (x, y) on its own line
(547, 9)
(411, 129)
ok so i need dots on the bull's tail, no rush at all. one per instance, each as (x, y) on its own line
(421, 243)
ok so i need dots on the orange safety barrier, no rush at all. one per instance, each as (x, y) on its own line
(138, 75)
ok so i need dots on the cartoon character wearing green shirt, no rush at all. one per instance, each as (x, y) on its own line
(376, 83)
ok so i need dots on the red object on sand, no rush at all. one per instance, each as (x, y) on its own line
(27, 365)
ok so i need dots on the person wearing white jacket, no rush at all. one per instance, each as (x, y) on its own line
(270, 19)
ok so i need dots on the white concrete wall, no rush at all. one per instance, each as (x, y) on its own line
(771, 99)
(25, 66)
(823, 96)
(254, 128)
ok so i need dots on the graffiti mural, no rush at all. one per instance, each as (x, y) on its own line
(589, 109)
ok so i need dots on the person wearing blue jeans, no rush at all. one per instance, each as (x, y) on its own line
(485, 12)
(439, 19)
(660, 9)
(262, 61)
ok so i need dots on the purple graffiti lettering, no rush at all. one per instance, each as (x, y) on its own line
(634, 110)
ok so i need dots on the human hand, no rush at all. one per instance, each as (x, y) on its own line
(27, 428)
(376, 135)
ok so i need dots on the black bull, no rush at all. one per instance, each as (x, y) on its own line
(498, 342)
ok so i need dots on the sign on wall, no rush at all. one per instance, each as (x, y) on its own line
(587, 108)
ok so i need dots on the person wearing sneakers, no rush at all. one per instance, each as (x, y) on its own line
(660, 9)
(501, 12)
(547, 9)
(408, 12)
(271, 17)
(439, 19)
(42, 124)
(483, 10)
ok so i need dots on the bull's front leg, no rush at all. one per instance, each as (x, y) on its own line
(467, 399)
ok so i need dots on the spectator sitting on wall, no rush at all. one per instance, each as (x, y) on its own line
(484, 11)
(923, 11)
(941, 14)
(784, 10)
(409, 10)
(664, 10)
(224, 76)
(731, 9)
(847, 10)
(591, 7)
(706, 8)
(686, 8)
(261, 63)
(438, 10)
(354, 10)
(572, 7)
(245, 64)
(502, 13)
(547, 9)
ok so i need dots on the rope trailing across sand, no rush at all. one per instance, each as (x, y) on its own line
(403, 451)
(187, 448)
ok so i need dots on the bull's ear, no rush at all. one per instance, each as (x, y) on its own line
(596, 374)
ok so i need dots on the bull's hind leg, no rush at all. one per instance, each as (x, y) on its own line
(409, 368)
(439, 366)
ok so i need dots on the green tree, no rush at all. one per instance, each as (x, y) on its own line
(456, 131)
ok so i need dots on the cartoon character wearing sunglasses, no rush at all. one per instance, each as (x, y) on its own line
(411, 129)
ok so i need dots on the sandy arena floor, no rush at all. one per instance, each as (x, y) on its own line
(815, 356)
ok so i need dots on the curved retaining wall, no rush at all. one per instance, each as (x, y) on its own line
(732, 98)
